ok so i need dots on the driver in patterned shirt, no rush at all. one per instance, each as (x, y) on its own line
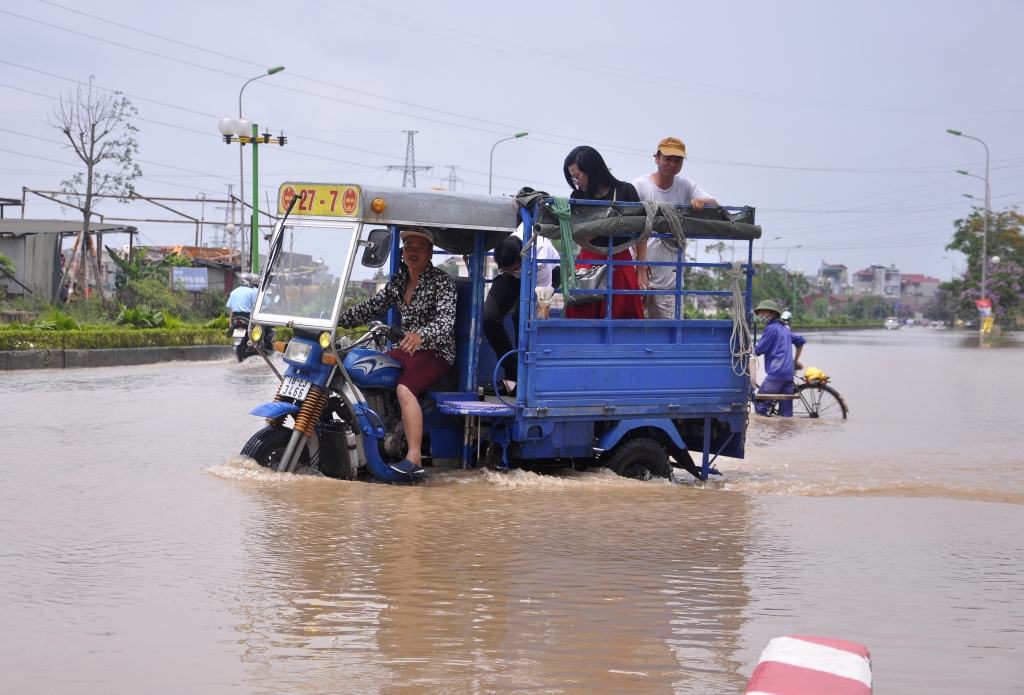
(426, 299)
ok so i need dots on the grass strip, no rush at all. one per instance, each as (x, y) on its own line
(99, 338)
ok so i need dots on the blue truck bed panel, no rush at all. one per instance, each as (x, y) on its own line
(636, 368)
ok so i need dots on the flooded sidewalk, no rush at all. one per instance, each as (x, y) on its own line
(140, 554)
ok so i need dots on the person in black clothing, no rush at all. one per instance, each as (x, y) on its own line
(590, 179)
(503, 298)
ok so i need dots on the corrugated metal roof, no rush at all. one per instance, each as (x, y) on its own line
(21, 227)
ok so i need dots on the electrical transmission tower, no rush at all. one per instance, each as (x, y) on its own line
(409, 169)
(452, 180)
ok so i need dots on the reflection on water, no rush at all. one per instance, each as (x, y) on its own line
(493, 581)
(140, 554)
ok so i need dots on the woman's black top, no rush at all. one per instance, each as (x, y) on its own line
(624, 193)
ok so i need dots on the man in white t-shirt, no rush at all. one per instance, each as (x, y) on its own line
(665, 185)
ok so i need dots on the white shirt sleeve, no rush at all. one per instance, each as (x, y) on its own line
(545, 250)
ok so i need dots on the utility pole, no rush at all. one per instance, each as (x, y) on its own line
(409, 169)
(453, 180)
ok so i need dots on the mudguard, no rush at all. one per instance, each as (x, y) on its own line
(274, 409)
(609, 439)
(374, 463)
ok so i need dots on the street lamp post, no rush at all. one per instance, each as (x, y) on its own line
(765, 244)
(952, 268)
(785, 263)
(490, 174)
(848, 289)
(243, 131)
(988, 203)
(794, 274)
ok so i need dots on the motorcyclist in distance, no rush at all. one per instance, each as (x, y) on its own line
(243, 298)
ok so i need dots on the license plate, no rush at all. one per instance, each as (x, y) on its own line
(239, 332)
(295, 388)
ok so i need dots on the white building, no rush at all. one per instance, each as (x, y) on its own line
(879, 281)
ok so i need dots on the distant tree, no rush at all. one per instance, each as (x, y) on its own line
(1004, 279)
(771, 283)
(96, 125)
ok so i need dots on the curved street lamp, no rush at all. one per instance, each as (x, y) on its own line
(785, 264)
(490, 175)
(988, 202)
(765, 244)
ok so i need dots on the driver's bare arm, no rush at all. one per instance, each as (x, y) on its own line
(374, 306)
(796, 360)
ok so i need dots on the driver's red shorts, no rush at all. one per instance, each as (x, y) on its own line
(423, 368)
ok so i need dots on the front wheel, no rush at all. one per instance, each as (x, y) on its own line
(267, 446)
(819, 402)
(642, 458)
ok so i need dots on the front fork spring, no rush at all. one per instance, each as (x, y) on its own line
(309, 413)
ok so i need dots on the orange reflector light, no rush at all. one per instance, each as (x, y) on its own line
(279, 346)
(328, 358)
(378, 205)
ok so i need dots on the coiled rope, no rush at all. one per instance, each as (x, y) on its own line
(741, 342)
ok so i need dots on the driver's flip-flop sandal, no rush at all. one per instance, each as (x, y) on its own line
(406, 467)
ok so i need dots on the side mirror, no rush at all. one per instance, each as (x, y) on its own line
(377, 248)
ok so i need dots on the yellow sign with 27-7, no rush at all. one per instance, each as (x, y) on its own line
(319, 200)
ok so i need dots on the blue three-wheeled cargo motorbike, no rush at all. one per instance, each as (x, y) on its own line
(635, 395)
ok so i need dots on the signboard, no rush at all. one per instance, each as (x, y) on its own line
(319, 200)
(985, 303)
(189, 279)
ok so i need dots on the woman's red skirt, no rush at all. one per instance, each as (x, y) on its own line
(624, 306)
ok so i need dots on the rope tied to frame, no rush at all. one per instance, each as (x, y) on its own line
(741, 342)
(566, 248)
(668, 211)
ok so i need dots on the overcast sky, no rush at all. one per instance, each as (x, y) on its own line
(829, 118)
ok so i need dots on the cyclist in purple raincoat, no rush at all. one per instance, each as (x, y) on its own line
(776, 345)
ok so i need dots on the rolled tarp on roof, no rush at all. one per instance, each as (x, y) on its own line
(588, 220)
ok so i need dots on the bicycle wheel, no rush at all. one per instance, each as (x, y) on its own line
(820, 402)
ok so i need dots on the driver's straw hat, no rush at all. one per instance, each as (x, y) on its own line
(672, 147)
(769, 305)
(421, 232)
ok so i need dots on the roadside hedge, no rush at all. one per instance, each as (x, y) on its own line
(96, 338)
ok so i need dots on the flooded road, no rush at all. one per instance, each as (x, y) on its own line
(139, 556)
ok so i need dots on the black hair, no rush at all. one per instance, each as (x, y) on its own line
(506, 254)
(590, 162)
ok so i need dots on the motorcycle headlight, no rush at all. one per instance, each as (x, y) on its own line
(325, 340)
(298, 351)
(257, 333)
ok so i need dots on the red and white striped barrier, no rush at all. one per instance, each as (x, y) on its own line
(802, 665)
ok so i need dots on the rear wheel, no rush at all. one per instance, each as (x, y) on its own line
(819, 402)
(642, 458)
(242, 350)
(267, 446)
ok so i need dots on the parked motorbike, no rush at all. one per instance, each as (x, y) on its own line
(341, 419)
(243, 345)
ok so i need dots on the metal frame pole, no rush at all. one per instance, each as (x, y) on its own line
(254, 248)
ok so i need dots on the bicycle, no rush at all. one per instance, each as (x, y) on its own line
(813, 398)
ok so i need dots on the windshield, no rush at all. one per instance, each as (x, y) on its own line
(308, 266)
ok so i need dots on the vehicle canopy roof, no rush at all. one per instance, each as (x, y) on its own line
(451, 216)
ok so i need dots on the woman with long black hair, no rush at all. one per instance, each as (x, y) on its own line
(590, 179)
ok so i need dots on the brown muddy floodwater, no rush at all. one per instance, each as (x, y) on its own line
(137, 556)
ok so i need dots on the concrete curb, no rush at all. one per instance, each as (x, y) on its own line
(15, 360)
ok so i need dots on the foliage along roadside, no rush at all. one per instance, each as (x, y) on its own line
(97, 338)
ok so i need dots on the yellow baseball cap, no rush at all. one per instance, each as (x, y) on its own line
(672, 147)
